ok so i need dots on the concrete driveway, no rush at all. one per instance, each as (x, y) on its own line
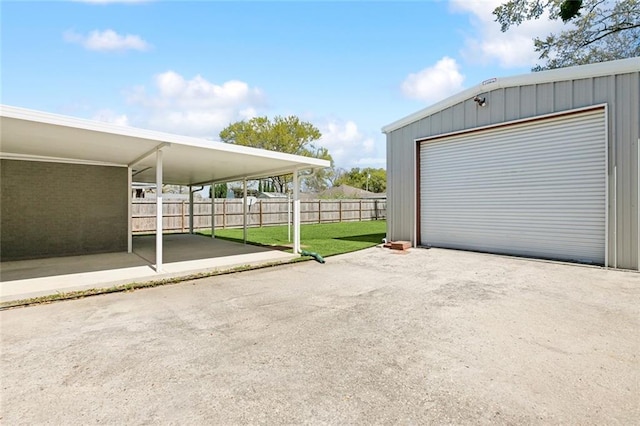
(430, 336)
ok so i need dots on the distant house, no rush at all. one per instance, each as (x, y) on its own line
(270, 195)
(140, 190)
(344, 191)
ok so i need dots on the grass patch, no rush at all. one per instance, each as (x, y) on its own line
(327, 239)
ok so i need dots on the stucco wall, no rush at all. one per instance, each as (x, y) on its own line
(55, 209)
(621, 94)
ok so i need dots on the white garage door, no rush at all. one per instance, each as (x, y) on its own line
(536, 189)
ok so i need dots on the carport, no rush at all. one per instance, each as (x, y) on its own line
(184, 255)
(50, 162)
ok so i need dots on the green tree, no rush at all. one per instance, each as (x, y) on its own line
(221, 190)
(374, 180)
(283, 134)
(334, 175)
(596, 30)
(321, 179)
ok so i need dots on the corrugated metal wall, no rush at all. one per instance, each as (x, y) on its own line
(620, 92)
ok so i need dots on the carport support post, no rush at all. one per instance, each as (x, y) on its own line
(190, 209)
(296, 213)
(244, 210)
(159, 211)
(129, 214)
(213, 210)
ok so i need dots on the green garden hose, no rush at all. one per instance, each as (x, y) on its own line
(316, 256)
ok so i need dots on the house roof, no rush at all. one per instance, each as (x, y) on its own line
(34, 135)
(272, 195)
(343, 191)
(621, 66)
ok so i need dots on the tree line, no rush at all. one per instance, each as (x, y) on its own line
(294, 136)
(594, 31)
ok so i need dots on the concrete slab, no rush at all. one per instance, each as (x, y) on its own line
(373, 337)
(184, 255)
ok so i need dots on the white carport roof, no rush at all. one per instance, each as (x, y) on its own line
(34, 135)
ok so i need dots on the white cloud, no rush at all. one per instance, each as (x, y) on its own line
(348, 146)
(375, 162)
(195, 107)
(434, 83)
(485, 43)
(109, 116)
(107, 40)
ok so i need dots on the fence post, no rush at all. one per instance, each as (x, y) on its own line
(372, 210)
(224, 213)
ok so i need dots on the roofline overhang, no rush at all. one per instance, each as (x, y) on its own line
(621, 66)
(161, 137)
(261, 175)
(45, 159)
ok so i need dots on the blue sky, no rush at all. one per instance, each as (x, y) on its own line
(193, 67)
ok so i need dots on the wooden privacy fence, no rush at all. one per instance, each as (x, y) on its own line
(265, 212)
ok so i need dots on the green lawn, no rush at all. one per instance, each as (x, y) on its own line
(327, 239)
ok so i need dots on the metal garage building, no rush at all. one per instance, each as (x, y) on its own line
(542, 165)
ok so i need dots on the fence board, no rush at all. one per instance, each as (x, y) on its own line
(229, 213)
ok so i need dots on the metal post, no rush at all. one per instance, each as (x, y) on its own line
(190, 209)
(296, 213)
(159, 211)
(129, 213)
(289, 216)
(244, 210)
(213, 210)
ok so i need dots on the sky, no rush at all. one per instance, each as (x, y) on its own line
(194, 67)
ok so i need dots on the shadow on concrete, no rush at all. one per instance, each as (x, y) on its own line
(176, 248)
(369, 238)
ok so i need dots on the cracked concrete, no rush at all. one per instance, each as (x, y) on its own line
(432, 336)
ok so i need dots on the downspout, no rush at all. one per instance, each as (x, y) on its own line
(191, 191)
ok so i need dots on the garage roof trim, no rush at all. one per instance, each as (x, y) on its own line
(570, 73)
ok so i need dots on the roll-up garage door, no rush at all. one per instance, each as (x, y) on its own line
(535, 188)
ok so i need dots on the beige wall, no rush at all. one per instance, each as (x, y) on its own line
(45, 210)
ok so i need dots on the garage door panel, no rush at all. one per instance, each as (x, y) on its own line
(532, 189)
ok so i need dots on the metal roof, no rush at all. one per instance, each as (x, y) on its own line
(39, 136)
(621, 66)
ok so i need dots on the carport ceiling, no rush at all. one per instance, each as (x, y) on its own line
(34, 135)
